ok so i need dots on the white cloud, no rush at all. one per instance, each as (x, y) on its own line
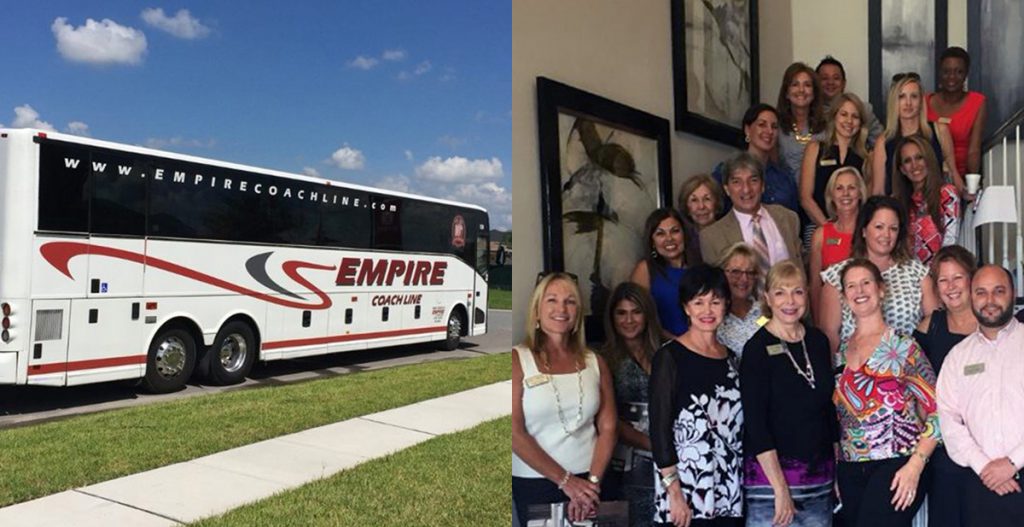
(404, 75)
(448, 75)
(78, 128)
(459, 170)
(310, 171)
(493, 197)
(398, 183)
(26, 117)
(104, 42)
(348, 158)
(408, 155)
(423, 67)
(179, 142)
(363, 63)
(393, 54)
(182, 25)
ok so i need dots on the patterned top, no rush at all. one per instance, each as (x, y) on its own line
(928, 238)
(696, 425)
(901, 307)
(735, 331)
(887, 405)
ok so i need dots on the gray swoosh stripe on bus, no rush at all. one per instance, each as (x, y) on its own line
(257, 267)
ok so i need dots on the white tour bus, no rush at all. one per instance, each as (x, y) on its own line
(121, 262)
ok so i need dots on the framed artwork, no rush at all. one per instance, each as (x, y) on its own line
(903, 36)
(604, 168)
(714, 66)
(996, 68)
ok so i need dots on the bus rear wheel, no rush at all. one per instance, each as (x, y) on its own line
(231, 357)
(453, 331)
(170, 361)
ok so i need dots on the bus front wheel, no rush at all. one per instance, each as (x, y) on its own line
(453, 331)
(230, 358)
(171, 359)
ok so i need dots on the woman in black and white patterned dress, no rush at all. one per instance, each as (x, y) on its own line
(696, 419)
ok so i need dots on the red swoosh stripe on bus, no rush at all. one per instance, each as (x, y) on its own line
(59, 254)
(92, 364)
(344, 338)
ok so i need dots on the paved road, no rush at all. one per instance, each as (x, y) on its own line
(20, 405)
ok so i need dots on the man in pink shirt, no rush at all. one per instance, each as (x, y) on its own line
(981, 403)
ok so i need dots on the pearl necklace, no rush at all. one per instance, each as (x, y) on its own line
(558, 398)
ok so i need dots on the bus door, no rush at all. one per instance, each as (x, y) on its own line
(48, 351)
(479, 316)
(107, 325)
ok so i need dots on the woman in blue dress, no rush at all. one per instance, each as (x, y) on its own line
(662, 268)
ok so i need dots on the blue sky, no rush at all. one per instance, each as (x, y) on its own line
(407, 95)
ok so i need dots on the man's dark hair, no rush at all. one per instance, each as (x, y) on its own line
(829, 59)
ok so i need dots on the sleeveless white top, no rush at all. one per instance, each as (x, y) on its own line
(540, 411)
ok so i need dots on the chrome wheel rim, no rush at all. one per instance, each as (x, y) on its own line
(454, 327)
(233, 352)
(171, 356)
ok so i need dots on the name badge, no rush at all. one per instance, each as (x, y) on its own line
(833, 241)
(945, 120)
(537, 380)
(974, 369)
(762, 320)
(828, 162)
(775, 349)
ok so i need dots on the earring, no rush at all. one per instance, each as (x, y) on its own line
(746, 138)
(654, 254)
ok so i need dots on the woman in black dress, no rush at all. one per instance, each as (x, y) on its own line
(786, 383)
(952, 269)
(695, 412)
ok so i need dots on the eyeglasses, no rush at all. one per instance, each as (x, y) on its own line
(907, 75)
(561, 274)
(737, 273)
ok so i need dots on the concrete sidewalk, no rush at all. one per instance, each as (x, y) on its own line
(210, 485)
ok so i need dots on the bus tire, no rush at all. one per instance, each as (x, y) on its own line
(170, 361)
(453, 331)
(230, 358)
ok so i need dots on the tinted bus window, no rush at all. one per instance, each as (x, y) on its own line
(63, 188)
(118, 194)
(389, 233)
(344, 221)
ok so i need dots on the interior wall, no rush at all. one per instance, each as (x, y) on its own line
(623, 51)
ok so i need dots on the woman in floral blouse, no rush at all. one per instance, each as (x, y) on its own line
(933, 204)
(885, 400)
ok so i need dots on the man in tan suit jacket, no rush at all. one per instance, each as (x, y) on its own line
(744, 183)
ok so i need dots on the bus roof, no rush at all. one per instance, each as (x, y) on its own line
(88, 141)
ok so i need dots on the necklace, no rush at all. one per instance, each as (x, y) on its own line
(807, 375)
(801, 138)
(558, 398)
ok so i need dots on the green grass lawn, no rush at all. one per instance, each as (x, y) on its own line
(457, 479)
(51, 457)
(499, 299)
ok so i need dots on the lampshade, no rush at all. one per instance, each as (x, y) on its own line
(996, 205)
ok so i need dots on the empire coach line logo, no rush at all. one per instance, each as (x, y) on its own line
(351, 272)
(241, 185)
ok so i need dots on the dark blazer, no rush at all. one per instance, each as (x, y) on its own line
(716, 238)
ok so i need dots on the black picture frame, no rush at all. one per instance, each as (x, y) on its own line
(691, 120)
(878, 80)
(555, 100)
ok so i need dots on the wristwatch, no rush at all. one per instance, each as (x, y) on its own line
(594, 479)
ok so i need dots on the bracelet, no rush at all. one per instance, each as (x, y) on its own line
(594, 479)
(565, 479)
(921, 455)
(667, 480)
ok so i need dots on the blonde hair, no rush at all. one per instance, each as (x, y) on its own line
(748, 252)
(535, 338)
(892, 112)
(786, 272)
(860, 141)
(830, 205)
